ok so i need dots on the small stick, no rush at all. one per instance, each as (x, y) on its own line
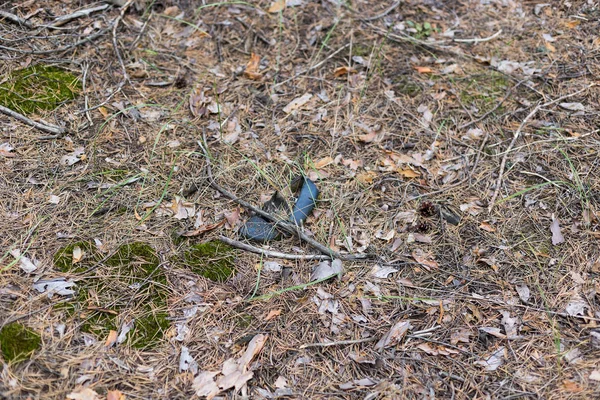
(15, 19)
(268, 253)
(478, 40)
(57, 130)
(62, 20)
(382, 14)
(518, 133)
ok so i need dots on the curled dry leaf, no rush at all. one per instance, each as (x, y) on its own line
(77, 254)
(394, 335)
(252, 71)
(493, 361)
(277, 6)
(203, 229)
(84, 394)
(115, 395)
(341, 71)
(297, 103)
(425, 259)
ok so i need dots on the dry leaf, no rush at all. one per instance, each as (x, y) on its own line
(557, 237)
(111, 338)
(341, 71)
(323, 162)
(204, 384)
(394, 335)
(232, 217)
(423, 70)
(115, 395)
(494, 361)
(408, 173)
(272, 314)
(77, 254)
(425, 260)
(277, 6)
(203, 229)
(83, 394)
(485, 225)
(252, 71)
(572, 386)
(368, 138)
(366, 177)
(297, 103)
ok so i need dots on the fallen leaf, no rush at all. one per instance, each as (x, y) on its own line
(595, 375)
(408, 173)
(461, 335)
(203, 229)
(394, 335)
(111, 338)
(115, 395)
(277, 6)
(557, 237)
(485, 225)
(272, 314)
(326, 269)
(423, 70)
(424, 259)
(382, 272)
(368, 138)
(83, 394)
(494, 361)
(576, 306)
(232, 217)
(366, 178)
(523, 292)
(252, 68)
(572, 106)
(54, 286)
(572, 386)
(323, 162)
(77, 254)
(5, 150)
(26, 264)
(187, 362)
(297, 103)
(204, 384)
(341, 71)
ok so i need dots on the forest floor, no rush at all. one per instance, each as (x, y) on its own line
(456, 148)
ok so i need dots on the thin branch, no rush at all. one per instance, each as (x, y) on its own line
(383, 13)
(338, 343)
(57, 130)
(15, 19)
(62, 20)
(479, 40)
(518, 133)
(269, 253)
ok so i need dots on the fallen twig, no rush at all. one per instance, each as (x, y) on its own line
(15, 19)
(269, 253)
(518, 133)
(478, 40)
(57, 130)
(62, 20)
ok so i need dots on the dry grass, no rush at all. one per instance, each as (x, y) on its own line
(373, 116)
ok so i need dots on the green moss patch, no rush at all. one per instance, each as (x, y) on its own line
(483, 90)
(63, 258)
(38, 87)
(18, 342)
(127, 285)
(213, 260)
